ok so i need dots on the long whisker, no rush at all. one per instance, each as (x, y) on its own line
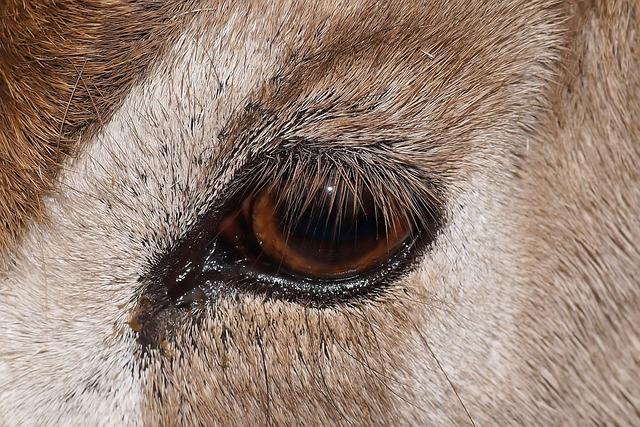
(455, 391)
(66, 110)
(267, 405)
(379, 376)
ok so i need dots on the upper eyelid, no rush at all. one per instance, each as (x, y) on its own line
(418, 196)
(347, 158)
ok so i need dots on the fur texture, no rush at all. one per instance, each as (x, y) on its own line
(64, 67)
(523, 115)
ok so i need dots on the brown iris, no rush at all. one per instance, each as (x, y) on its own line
(332, 233)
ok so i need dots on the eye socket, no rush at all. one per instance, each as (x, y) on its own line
(313, 239)
(338, 233)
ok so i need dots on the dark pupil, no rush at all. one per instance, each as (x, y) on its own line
(335, 232)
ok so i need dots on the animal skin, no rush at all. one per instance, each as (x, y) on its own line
(123, 122)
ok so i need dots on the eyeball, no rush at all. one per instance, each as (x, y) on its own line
(339, 232)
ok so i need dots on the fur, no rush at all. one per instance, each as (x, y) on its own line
(65, 66)
(522, 114)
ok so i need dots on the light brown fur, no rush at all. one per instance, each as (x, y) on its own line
(523, 114)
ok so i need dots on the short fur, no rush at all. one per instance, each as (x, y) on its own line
(522, 114)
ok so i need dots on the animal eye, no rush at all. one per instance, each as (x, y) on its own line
(317, 242)
(337, 233)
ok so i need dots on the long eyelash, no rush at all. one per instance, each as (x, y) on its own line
(299, 180)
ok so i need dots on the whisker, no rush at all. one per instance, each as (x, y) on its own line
(455, 391)
(323, 379)
(66, 110)
(266, 379)
(377, 375)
